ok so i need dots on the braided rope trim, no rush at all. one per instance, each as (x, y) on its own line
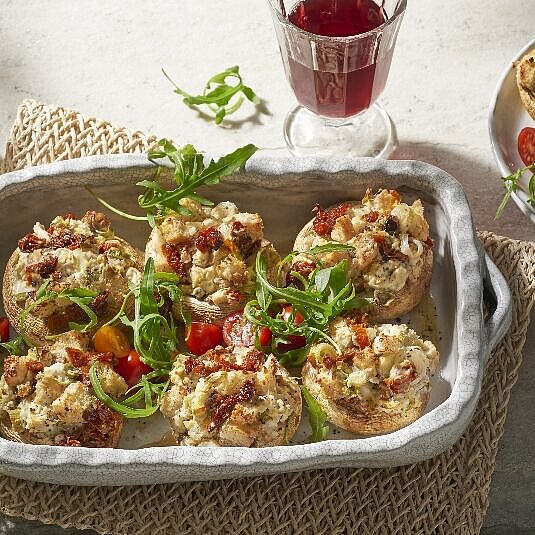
(446, 494)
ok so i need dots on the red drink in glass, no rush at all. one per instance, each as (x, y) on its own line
(347, 92)
(337, 55)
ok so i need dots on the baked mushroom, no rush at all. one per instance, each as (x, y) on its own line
(213, 251)
(46, 397)
(70, 254)
(380, 380)
(525, 79)
(232, 397)
(391, 259)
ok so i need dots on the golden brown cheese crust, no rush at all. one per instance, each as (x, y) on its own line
(525, 79)
(380, 380)
(232, 397)
(392, 258)
(46, 396)
(71, 253)
(213, 251)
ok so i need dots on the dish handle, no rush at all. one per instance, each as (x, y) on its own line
(497, 301)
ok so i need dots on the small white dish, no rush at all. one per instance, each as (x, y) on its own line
(507, 116)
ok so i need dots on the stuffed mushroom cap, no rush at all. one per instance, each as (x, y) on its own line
(46, 396)
(379, 382)
(234, 396)
(70, 254)
(391, 258)
(213, 251)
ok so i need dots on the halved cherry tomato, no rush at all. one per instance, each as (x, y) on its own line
(110, 339)
(200, 337)
(131, 368)
(526, 145)
(4, 330)
(287, 312)
(294, 341)
(238, 331)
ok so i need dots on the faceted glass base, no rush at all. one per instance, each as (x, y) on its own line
(368, 134)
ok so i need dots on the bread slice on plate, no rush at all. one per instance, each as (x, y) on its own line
(525, 79)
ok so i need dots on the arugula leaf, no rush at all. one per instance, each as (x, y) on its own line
(189, 174)
(316, 417)
(326, 294)
(155, 340)
(15, 346)
(512, 183)
(221, 97)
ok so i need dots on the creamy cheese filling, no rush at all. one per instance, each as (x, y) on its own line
(187, 404)
(215, 274)
(397, 362)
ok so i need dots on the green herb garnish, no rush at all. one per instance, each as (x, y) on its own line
(512, 183)
(190, 172)
(316, 417)
(221, 97)
(155, 340)
(326, 293)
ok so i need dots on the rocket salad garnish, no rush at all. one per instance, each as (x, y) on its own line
(512, 183)
(190, 172)
(221, 97)
(155, 340)
(326, 293)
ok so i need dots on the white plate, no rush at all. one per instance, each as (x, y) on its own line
(507, 116)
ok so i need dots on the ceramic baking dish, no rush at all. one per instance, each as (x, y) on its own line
(471, 298)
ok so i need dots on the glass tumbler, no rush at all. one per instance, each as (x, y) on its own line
(337, 80)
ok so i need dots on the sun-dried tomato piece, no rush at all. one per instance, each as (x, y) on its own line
(304, 268)
(392, 224)
(79, 358)
(209, 239)
(66, 240)
(30, 243)
(325, 220)
(173, 254)
(215, 361)
(401, 383)
(96, 220)
(44, 269)
(242, 241)
(387, 251)
(371, 217)
(101, 425)
(35, 366)
(330, 361)
(224, 405)
(65, 440)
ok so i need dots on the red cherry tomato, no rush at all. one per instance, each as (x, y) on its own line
(200, 337)
(287, 312)
(131, 368)
(294, 341)
(238, 331)
(4, 330)
(526, 145)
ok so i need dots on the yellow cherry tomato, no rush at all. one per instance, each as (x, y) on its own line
(110, 339)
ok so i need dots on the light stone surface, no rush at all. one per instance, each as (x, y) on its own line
(104, 59)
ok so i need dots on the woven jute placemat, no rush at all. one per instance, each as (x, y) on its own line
(447, 494)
